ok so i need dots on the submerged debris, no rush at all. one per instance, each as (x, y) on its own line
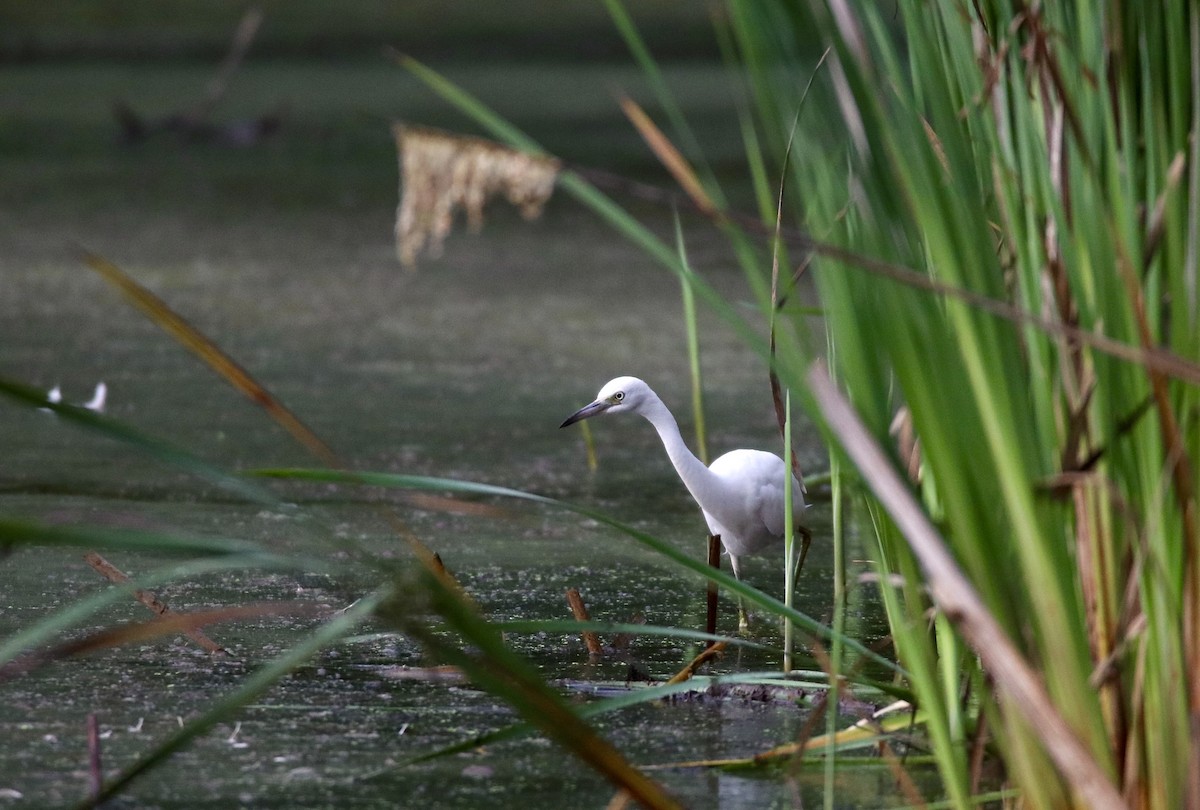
(192, 124)
(441, 172)
(747, 692)
(707, 690)
(439, 674)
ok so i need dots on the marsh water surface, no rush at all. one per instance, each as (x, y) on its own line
(462, 369)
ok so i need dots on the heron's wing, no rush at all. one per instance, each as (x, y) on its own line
(771, 505)
(758, 477)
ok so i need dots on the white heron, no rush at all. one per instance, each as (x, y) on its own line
(741, 493)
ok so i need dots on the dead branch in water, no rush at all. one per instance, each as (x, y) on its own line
(193, 124)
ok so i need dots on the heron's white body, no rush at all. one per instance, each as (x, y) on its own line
(756, 521)
(741, 494)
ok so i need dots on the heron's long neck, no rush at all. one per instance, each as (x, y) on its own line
(699, 480)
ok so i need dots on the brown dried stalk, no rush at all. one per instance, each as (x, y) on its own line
(580, 612)
(147, 598)
(700, 660)
(670, 157)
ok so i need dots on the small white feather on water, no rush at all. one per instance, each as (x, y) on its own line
(97, 403)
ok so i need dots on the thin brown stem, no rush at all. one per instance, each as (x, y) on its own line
(580, 612)
(711, 595)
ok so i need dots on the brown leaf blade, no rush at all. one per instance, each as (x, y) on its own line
(233, 373)
(166, 625)
(670, 157)
(203, 347)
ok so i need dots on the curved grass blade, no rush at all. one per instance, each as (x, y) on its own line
(203, 347)
(666, 99)
(27, 532)
(207, 350)
(153, 446)
(801, 620)
(481, 653)
(693, 344)
(669, 156)
(253, 686)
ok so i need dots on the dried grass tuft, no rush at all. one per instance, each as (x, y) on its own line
(441, 173)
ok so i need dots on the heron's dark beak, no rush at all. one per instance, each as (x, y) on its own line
(599, 406)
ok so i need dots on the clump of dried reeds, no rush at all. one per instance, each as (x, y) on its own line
(441, 173)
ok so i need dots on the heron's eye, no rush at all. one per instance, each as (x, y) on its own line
(617, 397)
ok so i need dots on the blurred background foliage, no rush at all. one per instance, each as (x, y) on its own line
(519, 30)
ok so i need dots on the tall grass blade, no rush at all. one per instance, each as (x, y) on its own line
(727, 581)
(650, 70)
(957, 599)
(15, 532)
(839, 616)
(789, 534)
(693, 345)
(488, 661)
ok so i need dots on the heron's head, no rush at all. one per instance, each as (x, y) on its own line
(617, 396)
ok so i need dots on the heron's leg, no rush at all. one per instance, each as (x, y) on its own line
(714, 560)
(805, 542)
(743, 620)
